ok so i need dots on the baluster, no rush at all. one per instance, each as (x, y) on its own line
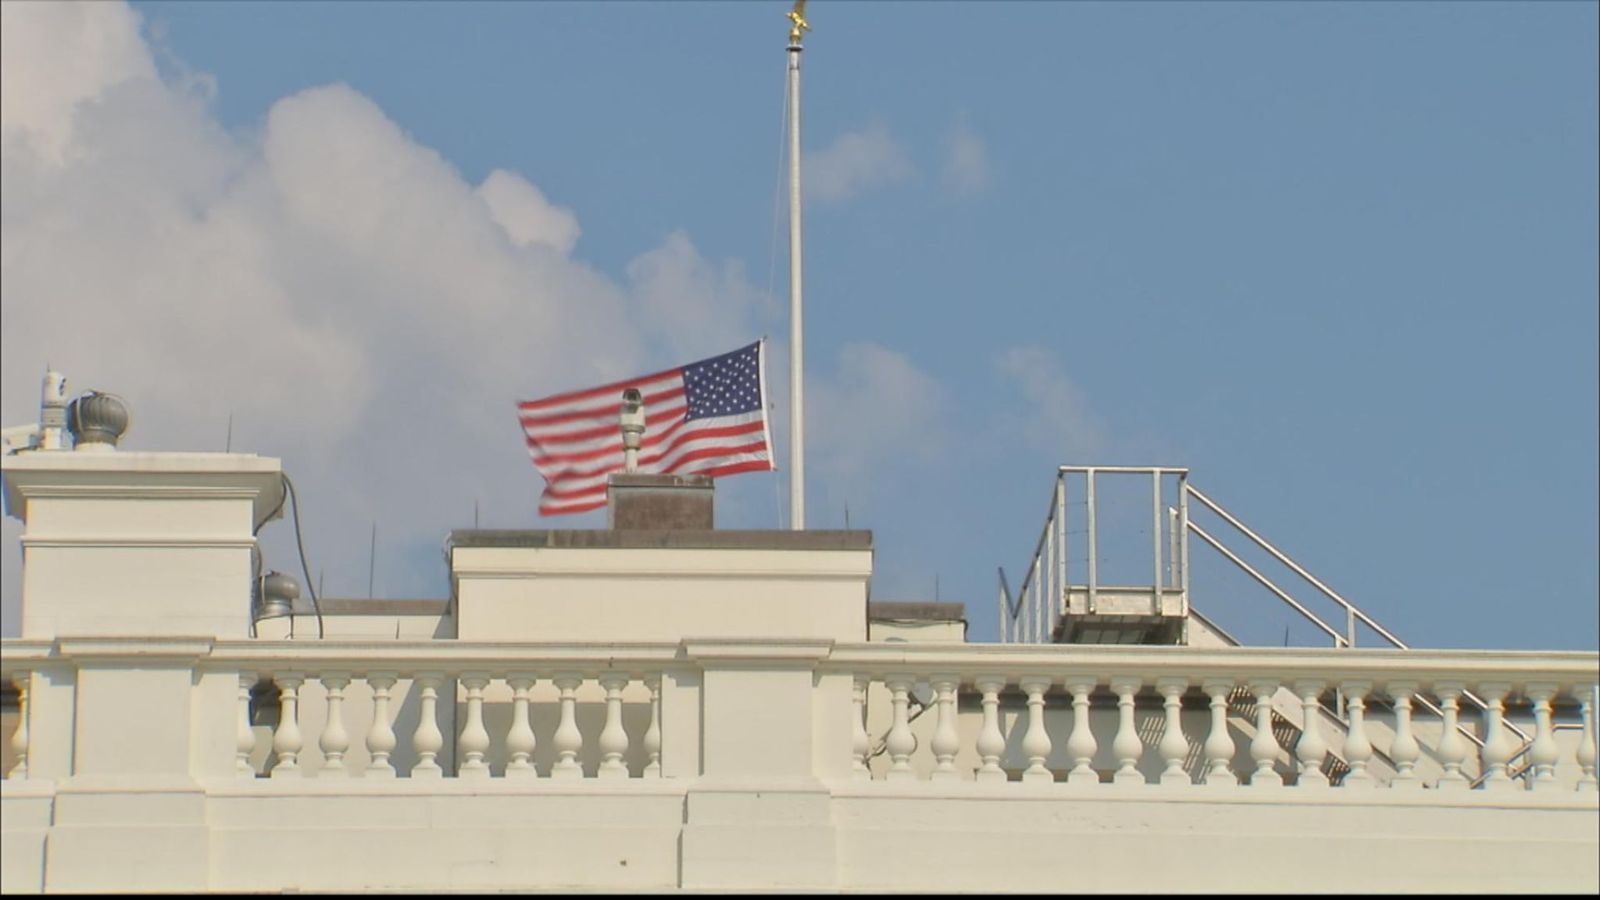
(1404, 750)
(334, 740)
(20, 738)
(380, 737)
(1587, 782)
(568, 740)
(1219, 744)
(991, 742)
(1174, 749)
(1497, 745)
(1312, 750)
(1081, 745)
(1264, 746)
(652, 735)
(428, 740)
(1126, 746)
(901, 741)
(945, 741)
(474, 740)
(1357, 746)
(1452, 747)
(1543, 753)
(860, 741)
(286, 741)
(1036, 743)
(245, 736)
(520, 741)
(613, 738)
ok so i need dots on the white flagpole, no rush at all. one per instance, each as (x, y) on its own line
(797, 413)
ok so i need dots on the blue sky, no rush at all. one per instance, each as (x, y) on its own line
(1337, 259)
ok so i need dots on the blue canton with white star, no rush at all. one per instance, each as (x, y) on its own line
(724, 385)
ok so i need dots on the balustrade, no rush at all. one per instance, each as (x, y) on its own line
(1219, 743)
(286, 740)
(1126, 745)
(934, 751)
(474, 740)
(520, 739)
(244, 735)
(380, 737)
(1497, 745)
(1311, 750)
(1037, 741)
(1264, 746)
(1150, 723)
(1174, 749)
(1587, 696)
(1452, 747)
(334, 741)
(20, 737)
(474, 744)
(1357, 746)
(1404, 749)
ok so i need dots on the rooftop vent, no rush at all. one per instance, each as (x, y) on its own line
(97, 420)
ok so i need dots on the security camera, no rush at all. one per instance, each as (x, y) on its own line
(632, 422)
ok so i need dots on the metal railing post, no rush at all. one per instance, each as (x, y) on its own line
(1183, 530)
(1058, 600)
(1172, 547)
(1155, 534)
(1001, 591)
(1089, 499)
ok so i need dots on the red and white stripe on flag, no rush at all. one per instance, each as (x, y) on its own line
(706, 418)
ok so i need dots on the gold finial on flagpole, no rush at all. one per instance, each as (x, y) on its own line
(798, 17)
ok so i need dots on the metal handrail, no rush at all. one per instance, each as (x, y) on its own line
(1009, 607)
(1522, 751)
(1338, 639)
(1280, 556)
(1050, 553)
(1351, 610)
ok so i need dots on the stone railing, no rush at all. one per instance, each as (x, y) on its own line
(420, 710)
(1173, 724)
(1095, 717)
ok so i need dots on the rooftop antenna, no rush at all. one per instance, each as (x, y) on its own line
(797, 417)
(474, 512)
(228, 447)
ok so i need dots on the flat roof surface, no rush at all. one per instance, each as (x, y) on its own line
(674, 539)
(916, 609)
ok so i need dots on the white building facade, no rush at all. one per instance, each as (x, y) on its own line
(705, 709)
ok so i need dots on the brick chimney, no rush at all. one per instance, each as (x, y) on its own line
(659, 502)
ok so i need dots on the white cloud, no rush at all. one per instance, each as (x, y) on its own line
(1058, 417)
(521, 209)
(58, 55)
(876, 410)
(966, 162)
(856, 162)
(699, 308)
(359, 308)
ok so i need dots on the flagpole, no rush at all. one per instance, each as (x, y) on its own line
(797, 417)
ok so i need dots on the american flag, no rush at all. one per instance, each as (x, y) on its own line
(708, 418)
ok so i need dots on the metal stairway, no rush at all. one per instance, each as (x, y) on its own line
(1051, 606)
